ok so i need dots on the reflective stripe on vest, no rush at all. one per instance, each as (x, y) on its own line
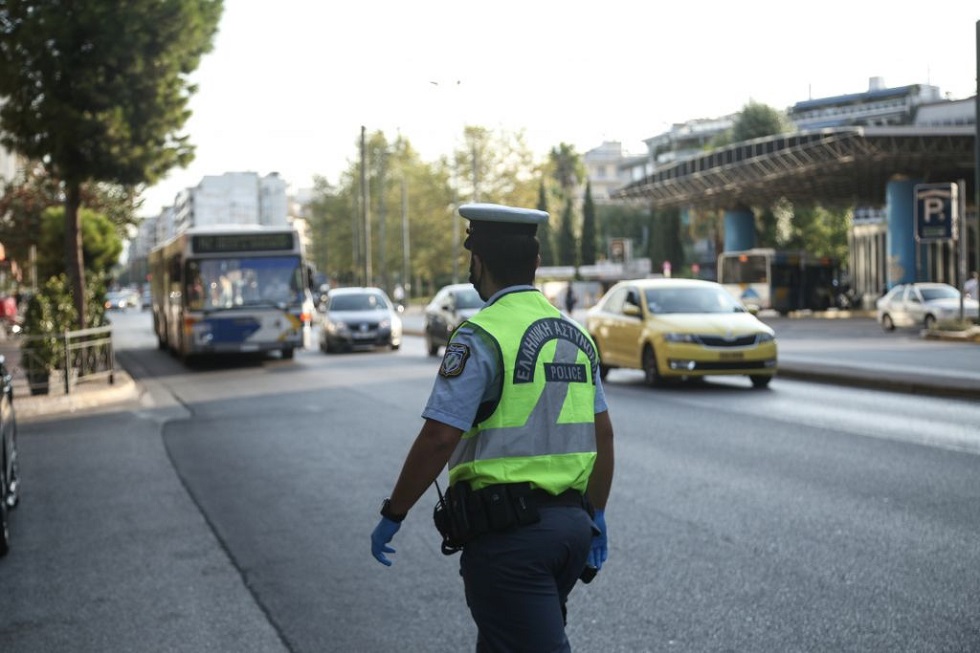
(543, 427)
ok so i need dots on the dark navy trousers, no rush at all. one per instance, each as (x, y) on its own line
(517, 582)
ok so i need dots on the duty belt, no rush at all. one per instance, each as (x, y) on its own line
(464, 514)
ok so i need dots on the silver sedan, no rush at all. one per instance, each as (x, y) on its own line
(923, 304)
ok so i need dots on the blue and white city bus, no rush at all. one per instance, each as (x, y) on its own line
(230, 289)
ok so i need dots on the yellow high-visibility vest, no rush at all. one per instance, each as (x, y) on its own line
(542, 429)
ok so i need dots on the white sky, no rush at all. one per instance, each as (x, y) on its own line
(290, 83)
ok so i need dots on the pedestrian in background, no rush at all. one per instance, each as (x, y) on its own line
(972, 287)
(570, 299)
(518, 413)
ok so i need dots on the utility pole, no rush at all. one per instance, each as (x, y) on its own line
(382, 215)
(976, 156)
(406, 279)
(365, 214)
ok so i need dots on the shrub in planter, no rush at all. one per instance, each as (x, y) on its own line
(39, 347)
(48, 315)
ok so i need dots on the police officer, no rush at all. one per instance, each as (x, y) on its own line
(517, 403)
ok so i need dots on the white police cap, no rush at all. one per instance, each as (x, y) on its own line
(498, 213)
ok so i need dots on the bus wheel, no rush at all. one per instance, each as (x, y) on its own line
(653, 377)
(287, 353)
(760, 380)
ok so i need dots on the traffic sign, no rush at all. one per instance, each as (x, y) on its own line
(936, 212)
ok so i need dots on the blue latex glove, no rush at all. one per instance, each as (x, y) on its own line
(600, 543)
(383, 532)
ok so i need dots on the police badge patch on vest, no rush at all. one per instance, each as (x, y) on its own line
(454, 360)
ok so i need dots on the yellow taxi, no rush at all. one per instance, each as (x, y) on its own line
(680, 328)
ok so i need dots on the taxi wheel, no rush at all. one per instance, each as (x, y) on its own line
(653, 377)
(930, 322)
(287, 353)
(886, 322)
(760, 380)
(432, 347)
(4, 512)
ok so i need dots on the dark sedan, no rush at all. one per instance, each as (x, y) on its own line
(359, 318)
(9, 476)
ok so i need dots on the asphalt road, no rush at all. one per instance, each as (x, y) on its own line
(228, 509)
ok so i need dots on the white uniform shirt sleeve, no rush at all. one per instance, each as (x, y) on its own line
(454, 400)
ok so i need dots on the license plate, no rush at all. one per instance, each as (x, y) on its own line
(364, 336)
(731, 355)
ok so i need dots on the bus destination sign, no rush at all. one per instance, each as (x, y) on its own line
(220, 243)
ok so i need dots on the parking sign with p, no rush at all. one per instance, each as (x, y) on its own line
(936, 210)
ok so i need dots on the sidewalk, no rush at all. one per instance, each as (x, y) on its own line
(85, 394)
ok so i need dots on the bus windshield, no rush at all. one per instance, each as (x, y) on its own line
(744, 268)
(241, 281)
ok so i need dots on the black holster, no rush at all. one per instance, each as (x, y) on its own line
(464, 514)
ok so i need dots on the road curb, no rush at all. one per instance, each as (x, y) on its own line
(868, 380)
(86, 395)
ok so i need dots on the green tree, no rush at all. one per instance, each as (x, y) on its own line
(588, 242)
(566, 168)
(505, 172)
(98, 92)
(101, 244)
(818, 230)
(673, 239)
(545, 235)
(766, 233)
(25, 199)
(566, 237)
(630, 221)
(756, 120)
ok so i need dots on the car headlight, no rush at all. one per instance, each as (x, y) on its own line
(765, 337)
(680, 337)
(335, 327)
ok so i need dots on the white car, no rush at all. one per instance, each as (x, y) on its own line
(923, 304)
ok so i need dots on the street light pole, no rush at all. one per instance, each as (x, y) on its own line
(365, 214)
(406, 280)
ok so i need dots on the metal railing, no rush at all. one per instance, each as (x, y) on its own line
(88, 353)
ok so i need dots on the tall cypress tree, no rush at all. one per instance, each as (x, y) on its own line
(545, 235)
(588, 244)
(566, 237)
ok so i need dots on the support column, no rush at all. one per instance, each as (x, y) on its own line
(739, 229)
(900, 198)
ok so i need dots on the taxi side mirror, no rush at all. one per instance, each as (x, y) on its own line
(632, 310)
